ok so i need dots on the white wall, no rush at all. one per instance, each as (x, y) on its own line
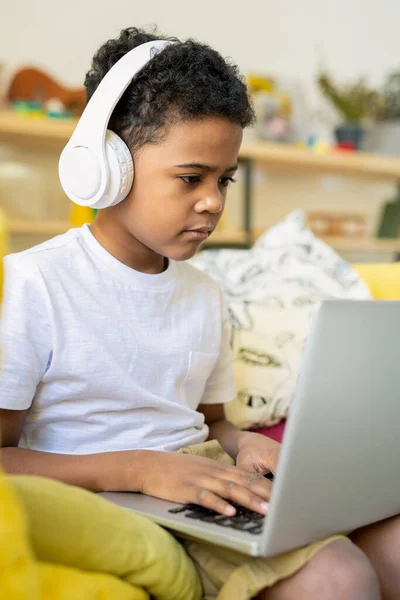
(285, 37)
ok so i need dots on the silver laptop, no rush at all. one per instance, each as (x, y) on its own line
(339, 467)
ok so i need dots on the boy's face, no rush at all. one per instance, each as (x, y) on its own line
(180, 187)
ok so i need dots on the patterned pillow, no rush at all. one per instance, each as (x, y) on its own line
(270, 292)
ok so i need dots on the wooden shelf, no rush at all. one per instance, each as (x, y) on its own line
(226, 237)
(28, 132)
(54, 133)
(16, 226)
(356, 244)
(290, 158)
(44, 228)
(341, 244)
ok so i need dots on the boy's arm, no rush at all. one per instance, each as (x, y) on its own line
(227, 434)
(25, 354)
(252, 451)
(168, 475)
(25, 336)
(94, 472)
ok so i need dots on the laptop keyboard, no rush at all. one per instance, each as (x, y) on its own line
(244, 519)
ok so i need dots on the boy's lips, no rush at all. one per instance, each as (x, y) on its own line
(196, 234)
(199, 233)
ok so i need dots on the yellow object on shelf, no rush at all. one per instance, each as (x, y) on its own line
(260, 83)
(80, 215)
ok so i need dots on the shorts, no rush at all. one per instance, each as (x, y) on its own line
(229, 575)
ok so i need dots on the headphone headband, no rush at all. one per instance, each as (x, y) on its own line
(87, 146)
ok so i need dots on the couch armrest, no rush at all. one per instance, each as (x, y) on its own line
(382, 279)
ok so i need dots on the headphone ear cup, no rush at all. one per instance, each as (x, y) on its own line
(121, 171)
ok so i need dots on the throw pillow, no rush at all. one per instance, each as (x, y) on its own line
(271, 291)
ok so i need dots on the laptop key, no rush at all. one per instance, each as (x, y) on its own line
(178, 509)
(209, 518)
(244, 520)
(256, 530)
(249, 526)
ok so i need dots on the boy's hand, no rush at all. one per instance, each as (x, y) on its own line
(258, 453)
(185, 478)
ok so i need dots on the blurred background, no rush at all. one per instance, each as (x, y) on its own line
(324, 77)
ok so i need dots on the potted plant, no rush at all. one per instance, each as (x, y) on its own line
(357, 104)
(384, 138)
(384, 135)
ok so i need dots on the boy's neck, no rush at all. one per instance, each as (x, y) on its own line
(125, 248)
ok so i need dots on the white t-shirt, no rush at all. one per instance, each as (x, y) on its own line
(107, 358)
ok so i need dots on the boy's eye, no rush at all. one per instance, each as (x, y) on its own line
(225, 181)
(191, 179)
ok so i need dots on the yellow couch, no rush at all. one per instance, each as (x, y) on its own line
(383, 280)
(58, 542)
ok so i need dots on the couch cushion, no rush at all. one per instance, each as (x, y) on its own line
(86, 534)
(383, 280)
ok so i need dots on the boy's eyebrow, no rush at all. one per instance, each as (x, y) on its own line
(205, 167)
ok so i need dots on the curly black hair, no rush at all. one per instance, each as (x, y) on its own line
(186, 81)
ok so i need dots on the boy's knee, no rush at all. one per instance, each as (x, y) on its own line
(344, 572)
(338, 571)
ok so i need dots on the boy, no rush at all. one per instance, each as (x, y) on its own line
(116, 353)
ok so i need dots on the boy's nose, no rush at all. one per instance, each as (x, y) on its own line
(213, 203)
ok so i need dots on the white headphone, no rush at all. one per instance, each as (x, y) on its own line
(96, 166)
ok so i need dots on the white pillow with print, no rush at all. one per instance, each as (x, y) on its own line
(270, 292)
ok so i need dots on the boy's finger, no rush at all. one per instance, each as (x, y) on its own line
(208, 499)
(260, 486)
(260, 462)
(231, 490)
(256, 482)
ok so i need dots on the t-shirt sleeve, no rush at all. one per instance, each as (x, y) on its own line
(25, 337)
(220, 387)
